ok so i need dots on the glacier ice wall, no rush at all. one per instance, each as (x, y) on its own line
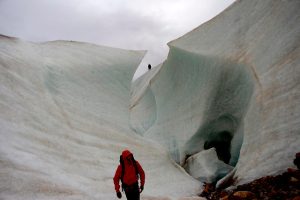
(64, 118)
(232, 84)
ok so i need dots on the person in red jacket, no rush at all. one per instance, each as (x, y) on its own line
(128, 172)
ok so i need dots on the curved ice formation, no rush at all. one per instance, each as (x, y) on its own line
(233, 84)
(64, 118)
(197, 104)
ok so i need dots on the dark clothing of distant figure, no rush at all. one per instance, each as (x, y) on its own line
(132, 172)
(149, 66)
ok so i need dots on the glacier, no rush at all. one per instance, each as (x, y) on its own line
(65, 120)
(223, 106)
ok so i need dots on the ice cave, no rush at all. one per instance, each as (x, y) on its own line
(223, 105)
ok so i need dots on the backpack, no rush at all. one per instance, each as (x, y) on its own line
(123, 169)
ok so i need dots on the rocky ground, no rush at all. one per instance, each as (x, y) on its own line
(282, 187)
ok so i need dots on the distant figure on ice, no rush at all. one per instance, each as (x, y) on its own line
(129, 171)
(149, 67)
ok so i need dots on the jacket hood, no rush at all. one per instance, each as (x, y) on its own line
(126, 153)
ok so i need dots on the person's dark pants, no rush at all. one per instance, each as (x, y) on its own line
(132, 191)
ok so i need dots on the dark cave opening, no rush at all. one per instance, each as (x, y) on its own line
(221, 143)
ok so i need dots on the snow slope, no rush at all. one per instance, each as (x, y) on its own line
(233, 84)
(64, 117)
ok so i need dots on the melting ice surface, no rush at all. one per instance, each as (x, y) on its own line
(226, 97)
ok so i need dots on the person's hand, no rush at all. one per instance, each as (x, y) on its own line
(141, 188)
(119, 195)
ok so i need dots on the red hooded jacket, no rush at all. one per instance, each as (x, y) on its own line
(130, 174)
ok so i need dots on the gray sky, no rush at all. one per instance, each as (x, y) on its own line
(129, 24)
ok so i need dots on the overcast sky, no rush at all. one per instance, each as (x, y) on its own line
(130, 24)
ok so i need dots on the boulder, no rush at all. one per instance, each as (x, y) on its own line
(206, 167)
